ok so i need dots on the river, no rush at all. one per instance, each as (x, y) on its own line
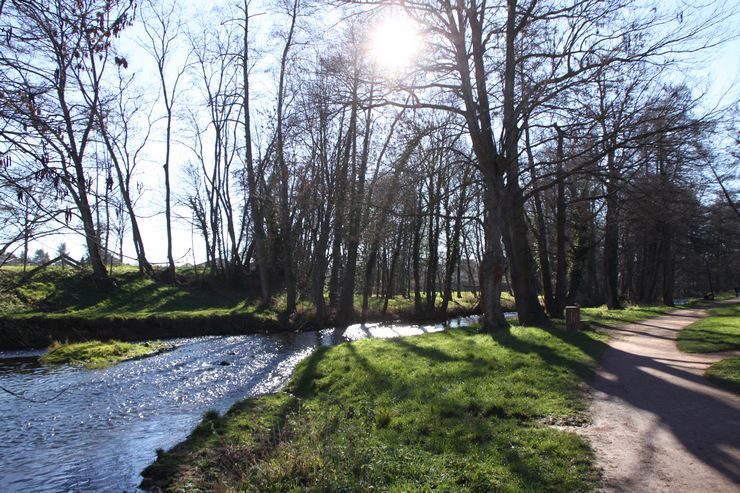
(103, 428)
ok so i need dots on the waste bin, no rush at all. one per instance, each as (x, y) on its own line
(573, 317)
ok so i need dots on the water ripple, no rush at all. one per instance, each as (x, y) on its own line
(103, 430)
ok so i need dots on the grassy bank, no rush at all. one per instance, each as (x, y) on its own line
(61, 304)
(97, 354)
(720, 331)
(57, 293)
(451, 411)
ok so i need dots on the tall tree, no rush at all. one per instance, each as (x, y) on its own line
(53, 65)
(163, 31)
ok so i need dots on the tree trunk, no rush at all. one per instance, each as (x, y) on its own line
(611, 236)
(453, 256)
(319, 271)
(368, 279)
(668, 267)
(523, 281)
(416, 256)
(394, 261)
(285, 220)
(260, 240)
(561, 289)
(92, 240)
(493, 264)
(347, 295)
(432, 244)
(542, 243)
(515, 235)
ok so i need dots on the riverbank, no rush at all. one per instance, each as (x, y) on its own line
(64, 305)
(458, 410)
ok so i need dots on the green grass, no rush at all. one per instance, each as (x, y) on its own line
(96, 354)
(726, 373)
(601, 316)
(720, 331)
(451, 411)
(723, 296)
(56, 293)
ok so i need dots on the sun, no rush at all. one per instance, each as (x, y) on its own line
(394, 42)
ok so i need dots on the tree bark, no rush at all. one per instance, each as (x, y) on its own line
(492, 266)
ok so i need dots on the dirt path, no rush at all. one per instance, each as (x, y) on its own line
(657, 424)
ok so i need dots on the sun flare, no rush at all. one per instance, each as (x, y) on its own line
(394, 43)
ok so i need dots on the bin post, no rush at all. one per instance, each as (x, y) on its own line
(573, 317)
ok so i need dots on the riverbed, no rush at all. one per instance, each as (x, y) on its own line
(96, 430)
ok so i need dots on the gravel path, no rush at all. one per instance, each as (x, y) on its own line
(657, 424)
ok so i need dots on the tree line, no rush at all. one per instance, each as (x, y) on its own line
(546, 148)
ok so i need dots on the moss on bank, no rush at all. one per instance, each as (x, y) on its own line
(451, 411)
(97, 354)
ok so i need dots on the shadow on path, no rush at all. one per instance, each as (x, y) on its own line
(657, 421)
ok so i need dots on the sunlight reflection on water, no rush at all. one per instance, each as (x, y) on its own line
(103, 430)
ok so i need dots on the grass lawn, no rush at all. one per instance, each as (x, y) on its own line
(726, 373)
(720, 331)
(450, 411)
(96, 354)
(601, 316)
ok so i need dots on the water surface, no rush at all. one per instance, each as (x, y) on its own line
(104, 427)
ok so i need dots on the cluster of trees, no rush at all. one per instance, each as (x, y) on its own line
(545, 147)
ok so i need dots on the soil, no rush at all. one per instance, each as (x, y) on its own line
(657, 424)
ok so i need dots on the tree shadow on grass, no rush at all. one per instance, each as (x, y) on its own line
(587, 345)
(449, 395)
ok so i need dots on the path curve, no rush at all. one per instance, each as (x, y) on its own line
(657, 424)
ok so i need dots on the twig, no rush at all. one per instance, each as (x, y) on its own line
(22, 397)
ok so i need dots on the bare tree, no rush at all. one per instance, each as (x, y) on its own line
(163, 30)
(53, 66)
